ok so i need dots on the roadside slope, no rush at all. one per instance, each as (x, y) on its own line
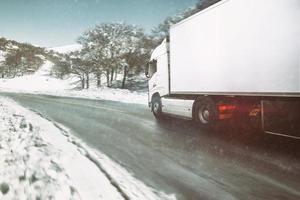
(41, 82)
(37, 161)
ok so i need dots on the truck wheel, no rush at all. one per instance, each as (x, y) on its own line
(205, 112)
(156, 107)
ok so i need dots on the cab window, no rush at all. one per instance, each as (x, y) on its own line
(152, 67)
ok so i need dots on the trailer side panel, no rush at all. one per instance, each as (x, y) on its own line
(238, 46)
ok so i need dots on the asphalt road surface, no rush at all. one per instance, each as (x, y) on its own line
(176, 157)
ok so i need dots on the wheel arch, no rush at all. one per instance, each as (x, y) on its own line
(215, 99)
(197, 99)
(156, 94)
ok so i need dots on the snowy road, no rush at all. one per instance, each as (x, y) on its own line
(175, 157)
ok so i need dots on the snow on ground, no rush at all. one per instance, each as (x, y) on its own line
(105, 93)
(42, 83)
(2, 56)
(66, 49)
(38, 162)
(42, 160)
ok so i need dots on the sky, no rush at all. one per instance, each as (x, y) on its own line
(51, 23)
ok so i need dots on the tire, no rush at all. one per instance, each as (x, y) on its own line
(156, 107)
(205, 113)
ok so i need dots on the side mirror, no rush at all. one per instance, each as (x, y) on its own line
(147, 71)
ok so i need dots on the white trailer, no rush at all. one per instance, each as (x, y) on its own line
(233, 55)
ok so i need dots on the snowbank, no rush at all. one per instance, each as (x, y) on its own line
(42, 83)
(40, 159)
(38, 82)
(105, 93)
(38, 162)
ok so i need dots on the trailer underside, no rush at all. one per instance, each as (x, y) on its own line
(273, 115)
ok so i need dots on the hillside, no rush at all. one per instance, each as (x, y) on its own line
(25, 68)
(18, 59)
(42, 81)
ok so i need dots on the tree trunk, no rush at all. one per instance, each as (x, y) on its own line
(107, 78)
(98, 75)
(87, 75)
(82, 82)
(112, 76)
(125, 72)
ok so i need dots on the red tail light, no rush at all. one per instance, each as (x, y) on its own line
(226, 111)
(224, 108)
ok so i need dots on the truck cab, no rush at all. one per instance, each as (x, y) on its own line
(158, 83)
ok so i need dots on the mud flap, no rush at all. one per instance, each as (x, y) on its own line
(281, 118)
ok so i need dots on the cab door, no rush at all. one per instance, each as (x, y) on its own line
(158, 71)
(152, 83)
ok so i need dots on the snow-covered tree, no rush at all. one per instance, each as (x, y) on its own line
(81, 67)
(61, 67)
(114, 47)
(139, 47)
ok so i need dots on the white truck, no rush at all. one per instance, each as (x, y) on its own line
(234, 58)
